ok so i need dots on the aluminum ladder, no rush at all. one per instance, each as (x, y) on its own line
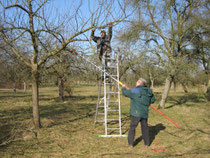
(108, 110)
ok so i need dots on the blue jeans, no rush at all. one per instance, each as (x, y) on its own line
(144, 130)
(105, 62)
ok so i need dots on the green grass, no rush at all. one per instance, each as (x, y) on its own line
(68, 127)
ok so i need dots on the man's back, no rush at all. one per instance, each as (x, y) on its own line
(141, 97)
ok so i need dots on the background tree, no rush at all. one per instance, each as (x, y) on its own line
(30, 24)
(200, 44)
(164, 28)
(12, 71)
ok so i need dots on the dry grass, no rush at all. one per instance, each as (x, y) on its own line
(69, 131)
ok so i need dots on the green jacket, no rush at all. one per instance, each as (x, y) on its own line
(141, 98)
(103, 44)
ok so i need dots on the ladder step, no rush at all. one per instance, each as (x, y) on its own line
(112, 101)
(112, 92)
(100, 106)
(113, 128)
(111, 83)
(112, 119)
(100, 114)
(113, 110)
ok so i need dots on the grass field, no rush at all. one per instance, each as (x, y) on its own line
(68, 127)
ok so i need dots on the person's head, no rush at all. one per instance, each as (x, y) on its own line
(103, 34)
(141, 81)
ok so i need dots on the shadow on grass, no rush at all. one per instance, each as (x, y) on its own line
(12, 121)
(51, 114)
(179, 100)
(6, 134)
(153, 131)
(12, 95)
(65, 113)
(67, 98)
(92, 97)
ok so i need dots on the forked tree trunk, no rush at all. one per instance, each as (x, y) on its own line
(61, 88)
(184, 87)
(166, 91)
(35, 98)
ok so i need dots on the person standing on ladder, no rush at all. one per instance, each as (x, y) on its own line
(141, 98)
(104, 49)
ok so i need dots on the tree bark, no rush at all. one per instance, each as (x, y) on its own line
(208, 94)
(61, 88)
(14, 87)
(152, 84)
(151, 79)
(35, 97)
(184, 87)
(169, 80)
(24, 86)
(174, 83)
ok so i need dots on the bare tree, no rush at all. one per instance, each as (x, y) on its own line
(163, 26)
(30, 24)
(201, 48)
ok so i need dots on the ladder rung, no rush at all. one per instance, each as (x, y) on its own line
(113, 110)
(112, 101)
(113, 92)
(113, 128)
(100, 114)
(111, 83)
(112, 119)
(100, 106)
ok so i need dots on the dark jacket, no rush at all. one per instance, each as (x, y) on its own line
(141, 98)
(103, 44)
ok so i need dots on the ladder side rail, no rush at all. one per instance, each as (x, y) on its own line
(118, 87)
(99, 96)
(105, 102)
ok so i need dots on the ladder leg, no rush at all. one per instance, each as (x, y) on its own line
(105, 103)
(98, 101)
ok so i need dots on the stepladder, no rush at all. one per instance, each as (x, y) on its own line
(108, 108)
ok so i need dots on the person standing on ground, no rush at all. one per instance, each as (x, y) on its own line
(141, 98)
(104, 49)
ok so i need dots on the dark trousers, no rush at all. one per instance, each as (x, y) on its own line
(144, 130)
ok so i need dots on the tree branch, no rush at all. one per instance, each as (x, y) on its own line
(15, 51)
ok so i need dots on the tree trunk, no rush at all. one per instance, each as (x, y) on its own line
(61, 88)
(208, 94)
(174, 83)
(24, 86)
(14, 87)
(166, 91)
(152, 84)
(151, 79)
(184, 87)
(35, 98)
